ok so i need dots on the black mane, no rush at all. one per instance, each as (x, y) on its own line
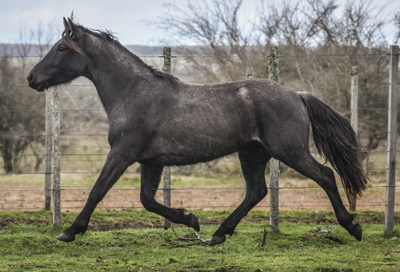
(108, 36)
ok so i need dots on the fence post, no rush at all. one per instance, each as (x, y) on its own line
(56, 157)
(354, 111)
(167, 170)
(249, 73)
(392, 139)
(48, 145)
(273, 68)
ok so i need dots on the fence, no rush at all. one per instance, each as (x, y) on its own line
(77, 139)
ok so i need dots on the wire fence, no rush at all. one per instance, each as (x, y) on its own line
(214, 185)
(210, 197)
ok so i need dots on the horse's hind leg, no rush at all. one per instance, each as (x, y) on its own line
(324, 176)
(150, 180)
(253, 160)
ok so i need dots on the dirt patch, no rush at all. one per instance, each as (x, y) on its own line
(295, 195)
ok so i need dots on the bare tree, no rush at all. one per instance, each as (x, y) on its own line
(44, 37)
(361, 24)
(396, 22)
(11, 126)
(21, 118)
(322, 22)
(298, 24)
(24, 45)
(228, 45)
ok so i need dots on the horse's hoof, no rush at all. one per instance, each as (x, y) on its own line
(217, 240)
(194, 222)
(358, 232)
(66, 237)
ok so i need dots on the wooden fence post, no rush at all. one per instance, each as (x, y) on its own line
(273, 68)
(354, 110)
(56, 157)
(48, 148)
(249, 73)
(392, 140)
(167, 170)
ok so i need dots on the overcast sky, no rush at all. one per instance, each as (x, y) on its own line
(127, 18)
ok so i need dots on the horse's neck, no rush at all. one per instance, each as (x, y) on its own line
(114, 73)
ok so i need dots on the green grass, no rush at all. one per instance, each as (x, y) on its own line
(27, 243)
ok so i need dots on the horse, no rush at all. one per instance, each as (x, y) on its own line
(158, 120)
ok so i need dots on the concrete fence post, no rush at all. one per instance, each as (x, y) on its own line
(354, 111)
(273, 68)
(56, 157)
(249, 73)
(392, 140)
(167, 170)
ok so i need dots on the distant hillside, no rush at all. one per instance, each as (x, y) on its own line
(149, 54)
(34, 50)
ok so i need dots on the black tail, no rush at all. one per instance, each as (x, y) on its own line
(336, 140)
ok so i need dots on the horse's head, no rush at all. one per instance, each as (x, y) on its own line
(63, 63)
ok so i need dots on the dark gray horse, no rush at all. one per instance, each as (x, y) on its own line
(157, 120)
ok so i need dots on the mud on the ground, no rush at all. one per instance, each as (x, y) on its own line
(296, 194)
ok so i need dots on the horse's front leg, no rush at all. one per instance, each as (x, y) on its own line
(150, 179)
(114, 167)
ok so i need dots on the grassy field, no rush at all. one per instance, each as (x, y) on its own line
(135, 241)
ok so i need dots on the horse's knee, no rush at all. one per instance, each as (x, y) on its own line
(263, 192)
(257, 194)
(327, 181)
(148, 203)
(328, 172)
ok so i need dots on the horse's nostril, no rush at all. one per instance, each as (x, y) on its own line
(29, 77)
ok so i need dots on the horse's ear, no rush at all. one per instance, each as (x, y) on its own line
(73, 28)
(65, 23)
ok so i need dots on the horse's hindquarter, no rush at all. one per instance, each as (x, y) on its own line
(282, 119)
(200, 123)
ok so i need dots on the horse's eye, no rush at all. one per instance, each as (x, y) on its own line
(62, 48)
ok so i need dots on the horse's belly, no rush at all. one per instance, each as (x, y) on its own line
(176, 159)
(170, 153)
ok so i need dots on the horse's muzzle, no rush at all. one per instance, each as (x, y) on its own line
(34, 85)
